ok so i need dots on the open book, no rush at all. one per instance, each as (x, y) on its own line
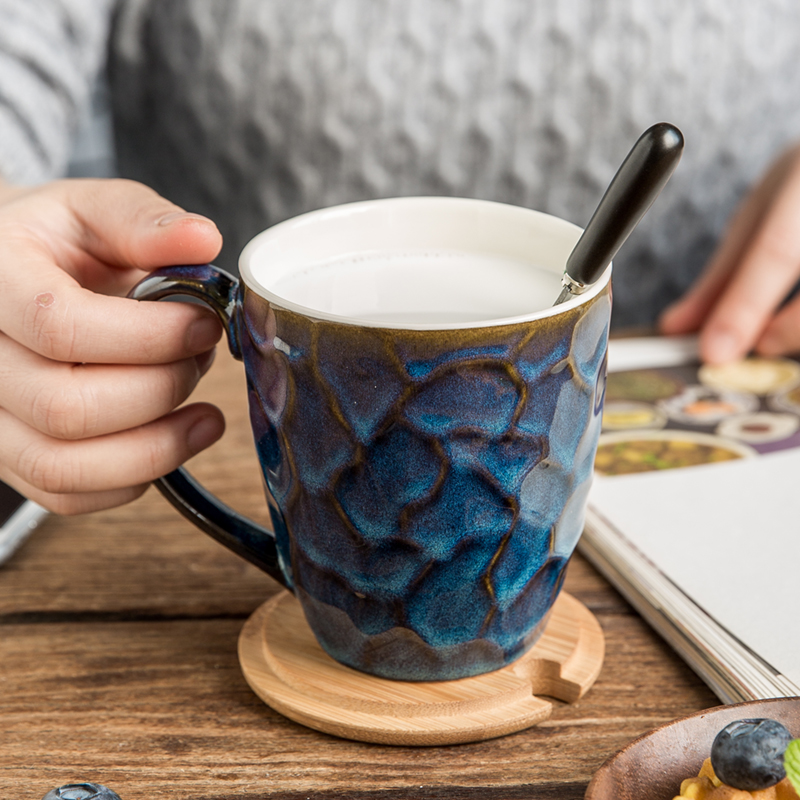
(694, 514)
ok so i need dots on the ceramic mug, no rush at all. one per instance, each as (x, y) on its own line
(425, 420)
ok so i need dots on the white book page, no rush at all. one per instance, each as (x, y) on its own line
(651, 351)
(728, 535)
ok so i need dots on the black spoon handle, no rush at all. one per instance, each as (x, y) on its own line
(638, 182)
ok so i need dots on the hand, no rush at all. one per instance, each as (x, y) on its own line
(89, 380)
(736, 302)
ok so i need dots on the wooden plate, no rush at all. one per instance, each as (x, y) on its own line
(654, 765)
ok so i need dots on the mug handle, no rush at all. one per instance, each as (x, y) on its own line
(220, 291)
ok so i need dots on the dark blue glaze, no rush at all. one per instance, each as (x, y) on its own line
(221, 292)
(82, 791)
(427, 488)
(213, 286)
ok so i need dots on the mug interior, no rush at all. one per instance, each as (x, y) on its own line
(422, 263)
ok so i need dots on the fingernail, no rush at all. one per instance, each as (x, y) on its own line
(718, 347)
(203, 334)
(203, 433)
(177, 216)
(205, 360)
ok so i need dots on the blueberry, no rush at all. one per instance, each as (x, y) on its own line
(748, 753)
(82, 791)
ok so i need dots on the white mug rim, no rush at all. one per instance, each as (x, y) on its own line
(432, 204)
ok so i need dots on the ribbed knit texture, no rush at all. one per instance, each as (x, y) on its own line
(51, 52)
(252, 111)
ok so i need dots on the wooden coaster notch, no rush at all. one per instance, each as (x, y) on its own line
(288, 670)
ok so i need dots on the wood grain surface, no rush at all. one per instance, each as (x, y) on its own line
(118, 665)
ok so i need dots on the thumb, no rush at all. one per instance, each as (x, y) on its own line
(126, 224)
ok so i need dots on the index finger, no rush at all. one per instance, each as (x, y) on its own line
(767, 271)
(47, 311)
(690, 311)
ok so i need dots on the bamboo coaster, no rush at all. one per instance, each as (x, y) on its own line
(288, 670)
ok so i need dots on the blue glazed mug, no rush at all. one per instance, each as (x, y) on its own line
(425, 420)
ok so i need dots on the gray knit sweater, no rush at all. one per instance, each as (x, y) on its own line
(252, 111)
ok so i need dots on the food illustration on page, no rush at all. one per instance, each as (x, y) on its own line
(688, 415)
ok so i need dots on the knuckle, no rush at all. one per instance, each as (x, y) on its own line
(156, 458)
(49, 330)
(779, 245)
(63, 412)
(16, 233)
(150, 347)
(46, 468)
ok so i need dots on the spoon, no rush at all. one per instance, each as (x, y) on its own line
(643, 174)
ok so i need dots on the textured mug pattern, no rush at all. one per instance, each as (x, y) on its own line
(427, 488)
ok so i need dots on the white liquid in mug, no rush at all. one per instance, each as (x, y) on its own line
(421, 287)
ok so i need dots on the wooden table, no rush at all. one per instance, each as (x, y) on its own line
(118, 665)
